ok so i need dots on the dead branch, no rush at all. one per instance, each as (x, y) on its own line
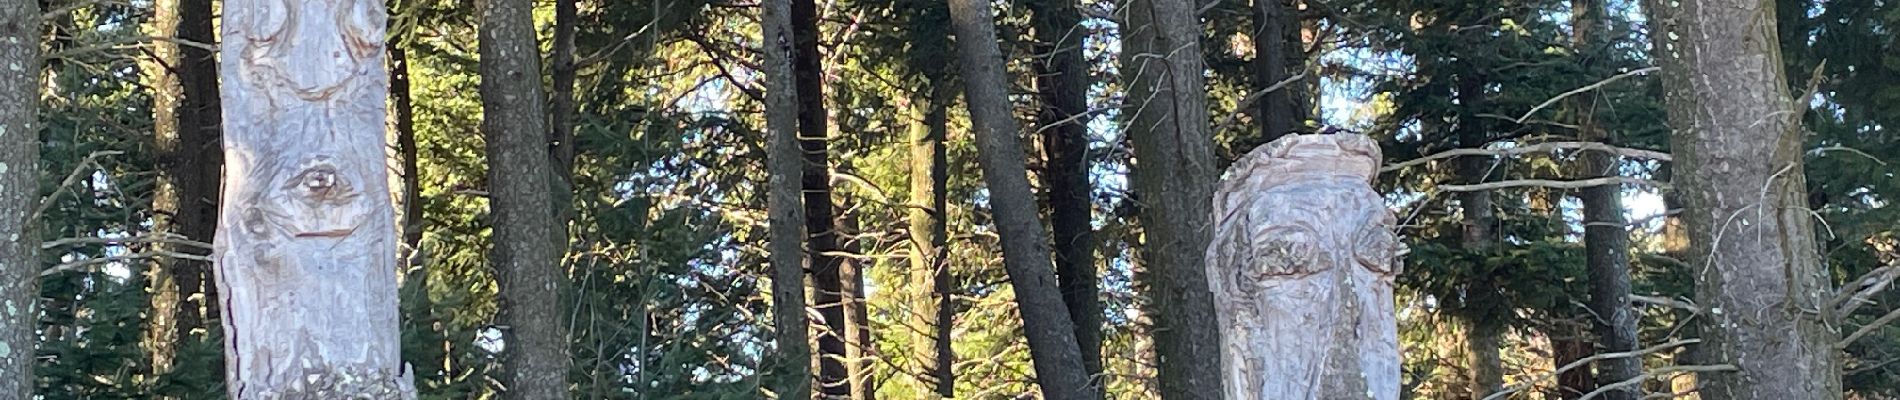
(1869, 328)
(1251, 98)
(1856, 293)
(1586, 361)
(91, 160)
(1527, 149)
(76, 265)
(1553, 184)
(166, 238)
(1585, 88)
(1656, 373)
(1666, 302)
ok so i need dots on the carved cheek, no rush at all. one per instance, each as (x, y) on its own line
(361, 24)
(268, 20)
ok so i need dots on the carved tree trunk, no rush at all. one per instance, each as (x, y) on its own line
(1302, 263)
(1062, 83)
(185, 109)
(1046, 323)
(520, 181)
(306, 248)
(1738, 141)
(786, 213)
(19, 195)
(1174, 151)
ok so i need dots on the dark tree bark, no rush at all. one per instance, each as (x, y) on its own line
(1737, 143)
(19, 195)
(186, 123)
(1174, 152)
(1046, 323)
(821, 231)
(860, 350)
(786, 213)
(929, 269)
(1276, 40)
(1484, 335)
(1062, 83)
(520, 181)
(1605, 233)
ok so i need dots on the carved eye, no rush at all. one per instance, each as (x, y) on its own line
(1376, 248)
(1283, 252)
(318, 180)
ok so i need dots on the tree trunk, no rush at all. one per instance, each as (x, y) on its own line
(1276, 40)
(1485, 333)
(1174, 153)
(305, 246)
(184, 81)
(786, 213)
(860, 350)
(821, 232)
(929, 270)
(19, 195)
(520, 180)
(1062, 83)
(1572, 384)
(1605, 233)
(1738, 145)
(1046, 324)
(402, 123)
(1303, 261)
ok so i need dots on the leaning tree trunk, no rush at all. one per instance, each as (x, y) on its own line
(19, 195)
(1737, 142)
(185, 109)
(1302, 264)
(306, 249)
(526, 258)
(1046, 323)
(1175, 155)
(1062, 83)
(785, 207)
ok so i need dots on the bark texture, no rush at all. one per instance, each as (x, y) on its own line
(1175, 168)
(184, 81)
(1302, 263)
(932, 310)
(305, 249)
(1046, 324)
(1605, 233)
(786, 213)
(19, 195)
(1737, 143)
(821, 230)
(520, 183)
(1276, 41)
(1484, 333)
(1062, 85)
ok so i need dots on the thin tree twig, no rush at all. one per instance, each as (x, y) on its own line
(1586, 361)
(1869, 328)
(1656, 373)
(71, 179)
(154, 238)
(1585, 88)
(1553, 184)
(1247, 103)
(1665, 302)
(1528, 149)
(76, 265)
(1850, 297)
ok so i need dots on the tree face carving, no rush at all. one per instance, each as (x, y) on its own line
(1302, 264)
(329, 40)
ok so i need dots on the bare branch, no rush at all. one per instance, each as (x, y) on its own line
(1585, 88)
(1869, 328)
(76, 265)
(1247, 102)
(80, 170)
(1666, 302)
(1527, 149)
(1553, 184)
(1656, 373)
(1855, 294)
(129, 42)
(167, 238)
(1586, 361)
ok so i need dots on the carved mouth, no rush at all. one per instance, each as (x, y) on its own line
(329, 233)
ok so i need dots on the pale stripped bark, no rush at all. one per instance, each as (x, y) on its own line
(305, 249)
(19, 195)
(785, 206)
(1737, 141)
(1302, 265)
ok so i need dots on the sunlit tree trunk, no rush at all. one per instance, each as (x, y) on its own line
(19, 195)
(785, 205)
(520, 183)
(184, 81)
(1026, 254)
(1062, 85)
(932, 310)
(1737, 143)
(860, 349)
(305, 248)
(1174, 173)
(821, 230)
